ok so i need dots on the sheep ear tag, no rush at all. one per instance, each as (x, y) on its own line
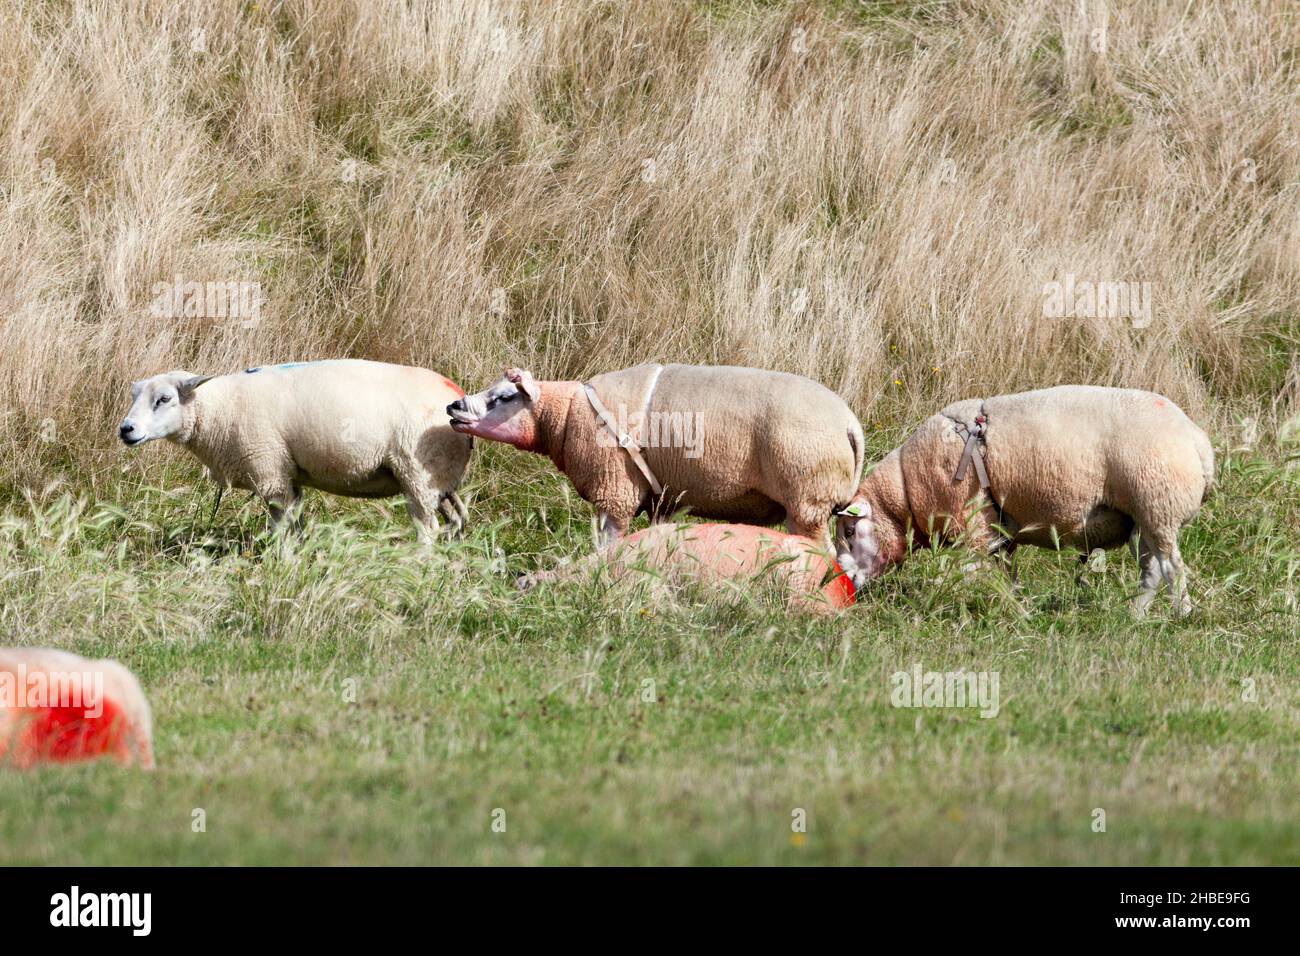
(855, 509)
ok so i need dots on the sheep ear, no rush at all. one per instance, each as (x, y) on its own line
(186, 388)
(527, 384)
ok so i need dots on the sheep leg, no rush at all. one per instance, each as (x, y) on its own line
(285, 509)
(610, 528)
(422, 505)
(616, 505)
(1007, 554)
(454, 523)
(1161, 561)
(461, 511)
(564, 571)
(1079, 575)
(1149, 562)
(424, 499)
(811, 521)
(1175, 575)
(982, 535)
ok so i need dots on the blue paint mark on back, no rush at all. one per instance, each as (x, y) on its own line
(258, 368)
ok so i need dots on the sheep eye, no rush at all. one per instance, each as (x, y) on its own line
(510, 398)
(162, 400)
(848, 532)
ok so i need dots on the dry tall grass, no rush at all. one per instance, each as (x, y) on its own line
(872, 193)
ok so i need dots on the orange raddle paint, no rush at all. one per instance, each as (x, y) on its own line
(66, 734)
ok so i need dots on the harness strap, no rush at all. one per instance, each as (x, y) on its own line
(625, 441)
(973, 454)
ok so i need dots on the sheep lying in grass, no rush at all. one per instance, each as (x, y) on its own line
(733, 444)
(349, 427)
(718, 553)
(1079, 466)
(56, 707)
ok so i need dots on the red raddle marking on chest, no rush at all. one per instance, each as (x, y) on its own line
(453, 386)
(1160, 403)
(67, 734)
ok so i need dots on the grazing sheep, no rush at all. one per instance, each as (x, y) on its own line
(56, 707)
(1079, 465)
(733, 444)
(349, 427)
(717, 553)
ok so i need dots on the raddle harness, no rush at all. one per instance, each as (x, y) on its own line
(625, 440)
(973, 453)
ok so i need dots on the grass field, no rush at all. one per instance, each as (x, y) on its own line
(355, 699)
(873, 193)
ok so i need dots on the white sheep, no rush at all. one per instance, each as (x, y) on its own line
(1078, 465)
(348, 427)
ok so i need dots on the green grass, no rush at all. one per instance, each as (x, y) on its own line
(470, 697)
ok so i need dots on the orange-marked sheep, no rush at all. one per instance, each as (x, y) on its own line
(56, 707)
(717, 553)
(730, 444)
(1074, 466)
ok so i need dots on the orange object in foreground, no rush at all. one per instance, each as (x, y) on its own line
(56, 707)
(723, 552)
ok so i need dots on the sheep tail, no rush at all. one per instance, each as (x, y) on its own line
(857, 444)
(1206, 451)
(857, 447)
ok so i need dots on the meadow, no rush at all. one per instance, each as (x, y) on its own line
(875, 194)
(358, 699)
